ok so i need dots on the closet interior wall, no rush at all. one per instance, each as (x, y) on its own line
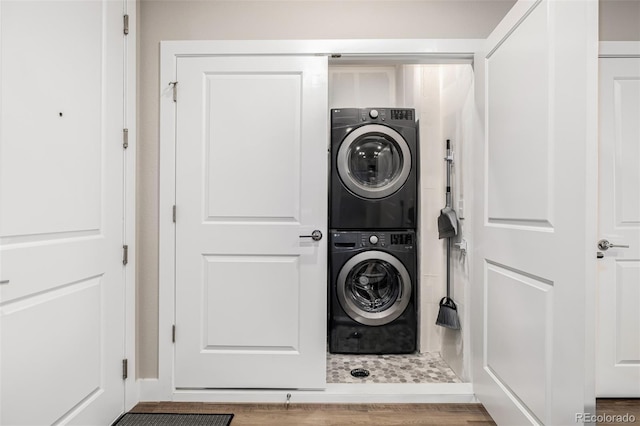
(442, 95)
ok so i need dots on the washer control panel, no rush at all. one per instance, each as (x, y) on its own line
(373, 239)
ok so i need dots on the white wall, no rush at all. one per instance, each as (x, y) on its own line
(458, 106)
(443, 95)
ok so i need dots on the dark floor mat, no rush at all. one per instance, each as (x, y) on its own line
(149, 419)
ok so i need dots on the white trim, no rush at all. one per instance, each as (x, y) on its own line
(341, 394)
(619, 49)
(446, 50)
(406, 48)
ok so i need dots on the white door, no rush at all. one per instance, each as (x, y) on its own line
(534, 260)
(61, 213)
(251, 183)
(618, 342)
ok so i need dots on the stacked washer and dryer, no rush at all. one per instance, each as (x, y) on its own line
(372, 220)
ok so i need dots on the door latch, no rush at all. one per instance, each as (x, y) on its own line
(605, 245)
(315, 235)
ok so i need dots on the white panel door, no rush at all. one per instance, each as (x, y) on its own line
(618, 356)
(251, 166)
(534, 258)
(61, 213)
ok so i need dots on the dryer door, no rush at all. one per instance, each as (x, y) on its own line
(374, 161)
(374, 288)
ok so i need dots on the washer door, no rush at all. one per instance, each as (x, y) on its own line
(374, 161)
(374, 288)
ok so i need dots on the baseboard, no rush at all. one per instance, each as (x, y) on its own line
(338, 394)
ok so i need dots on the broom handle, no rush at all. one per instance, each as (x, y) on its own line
(448, 160)
(449, 267)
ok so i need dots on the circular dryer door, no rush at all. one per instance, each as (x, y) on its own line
(374, 288)
(374, 161)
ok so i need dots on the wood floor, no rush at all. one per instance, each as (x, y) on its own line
(606, 406)
(361, 414)
(332, 414)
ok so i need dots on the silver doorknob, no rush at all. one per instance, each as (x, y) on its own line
(606, 245)
(315, 235)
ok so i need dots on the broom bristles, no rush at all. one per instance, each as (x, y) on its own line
(448, 315)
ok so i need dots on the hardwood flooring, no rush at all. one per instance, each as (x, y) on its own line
(363, 414)
(332, 414)
(606, 406)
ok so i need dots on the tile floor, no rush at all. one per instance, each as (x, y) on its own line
(415, 368)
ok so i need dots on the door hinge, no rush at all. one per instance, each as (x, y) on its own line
(125, 138)
(125, 369)
(125, 254)
(174, 213)
(174, 85)
(173, 333)
(126, 24)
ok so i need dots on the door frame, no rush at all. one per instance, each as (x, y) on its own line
(609, 50)
(619, 49)
(132, 388)
(442, 51)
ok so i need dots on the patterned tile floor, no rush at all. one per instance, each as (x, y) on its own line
(415, 368)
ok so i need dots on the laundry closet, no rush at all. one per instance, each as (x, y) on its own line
(254, 258)
(441, 96)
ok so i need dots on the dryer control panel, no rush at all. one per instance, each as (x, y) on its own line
(372, 239)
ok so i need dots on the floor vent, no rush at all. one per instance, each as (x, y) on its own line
(360, 372)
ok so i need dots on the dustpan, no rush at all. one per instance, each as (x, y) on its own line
(447, 223)
(448, 220)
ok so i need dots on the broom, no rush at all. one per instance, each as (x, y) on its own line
(448, 228)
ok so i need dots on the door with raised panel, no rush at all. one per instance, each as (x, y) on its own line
(61, 213)
(618, 340)
(534, 257)
(251, 187)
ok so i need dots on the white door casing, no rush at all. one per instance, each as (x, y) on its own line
(164, 387)
(534, 259)
(62, 297)
(251, 164)
(618, 341)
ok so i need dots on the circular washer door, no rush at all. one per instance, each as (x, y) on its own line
(374, 288)
(374, 161)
